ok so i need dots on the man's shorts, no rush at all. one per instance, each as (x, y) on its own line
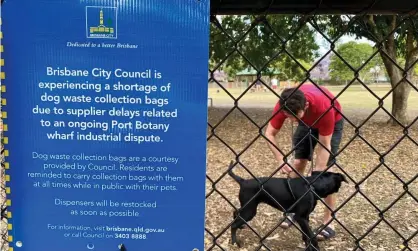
(303, 149)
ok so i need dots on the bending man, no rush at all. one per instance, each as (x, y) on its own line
(309, 103)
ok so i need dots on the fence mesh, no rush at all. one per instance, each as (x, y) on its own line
(3, 224)
(261, 43)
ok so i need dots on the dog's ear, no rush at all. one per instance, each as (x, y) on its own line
(315, 173)
(343, 178)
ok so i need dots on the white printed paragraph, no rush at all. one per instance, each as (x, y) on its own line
(106, 173)
(104, 105)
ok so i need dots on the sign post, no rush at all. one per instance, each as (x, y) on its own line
(106, 114)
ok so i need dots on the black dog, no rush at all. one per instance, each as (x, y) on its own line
(286, 194)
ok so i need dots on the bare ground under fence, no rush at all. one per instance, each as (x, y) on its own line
(358, 160)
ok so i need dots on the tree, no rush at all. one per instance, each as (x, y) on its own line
(396, 38)
(221, 45)
(262, 46)
(414, 73)
(292, 71)
(356, 55)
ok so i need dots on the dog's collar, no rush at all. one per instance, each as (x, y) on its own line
(312, 188)
(290, 188)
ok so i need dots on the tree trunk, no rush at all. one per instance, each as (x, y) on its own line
(401, 90)
(400, 103)
(400, 94)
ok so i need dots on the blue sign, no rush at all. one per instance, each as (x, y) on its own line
(106, 118)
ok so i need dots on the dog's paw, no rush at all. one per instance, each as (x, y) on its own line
(302, 246)
(311, 248)
(237, 243)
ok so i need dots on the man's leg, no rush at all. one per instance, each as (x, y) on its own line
(300, 166)
(303, 149)
(331, 199)
(303, 153)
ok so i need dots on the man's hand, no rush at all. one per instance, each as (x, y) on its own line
(286, 169)
(271, 133)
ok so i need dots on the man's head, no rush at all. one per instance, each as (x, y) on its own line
(293, 102)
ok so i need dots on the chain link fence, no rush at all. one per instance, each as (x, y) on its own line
(3, 189)
(259, 45)
(250, 49)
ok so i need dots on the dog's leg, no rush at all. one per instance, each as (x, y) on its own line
(235, 214)
(247, 214)
(234, 239)
(308, 237)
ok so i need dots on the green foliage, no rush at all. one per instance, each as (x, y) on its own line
(357, 55)
(391, 33)
(262, 46)
(395, 36)
(401, 62)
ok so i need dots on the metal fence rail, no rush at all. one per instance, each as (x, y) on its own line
(234, 46)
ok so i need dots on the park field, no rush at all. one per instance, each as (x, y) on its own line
(354, 97)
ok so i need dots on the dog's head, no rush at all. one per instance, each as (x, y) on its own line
(327, 183)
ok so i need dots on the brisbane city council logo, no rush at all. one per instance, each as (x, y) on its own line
(101, 22)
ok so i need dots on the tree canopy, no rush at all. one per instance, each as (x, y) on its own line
(396, 38)
(279, 42)
(357, 56)
(286, 43)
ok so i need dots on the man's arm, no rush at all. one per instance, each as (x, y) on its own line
(271, 133)
(326, 129)
(323, 152)
(272, 129)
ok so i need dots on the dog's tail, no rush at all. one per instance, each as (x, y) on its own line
(233, 175)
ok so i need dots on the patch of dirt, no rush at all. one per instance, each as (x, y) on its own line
(367, 158)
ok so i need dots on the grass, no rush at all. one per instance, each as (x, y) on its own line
(355, 97)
